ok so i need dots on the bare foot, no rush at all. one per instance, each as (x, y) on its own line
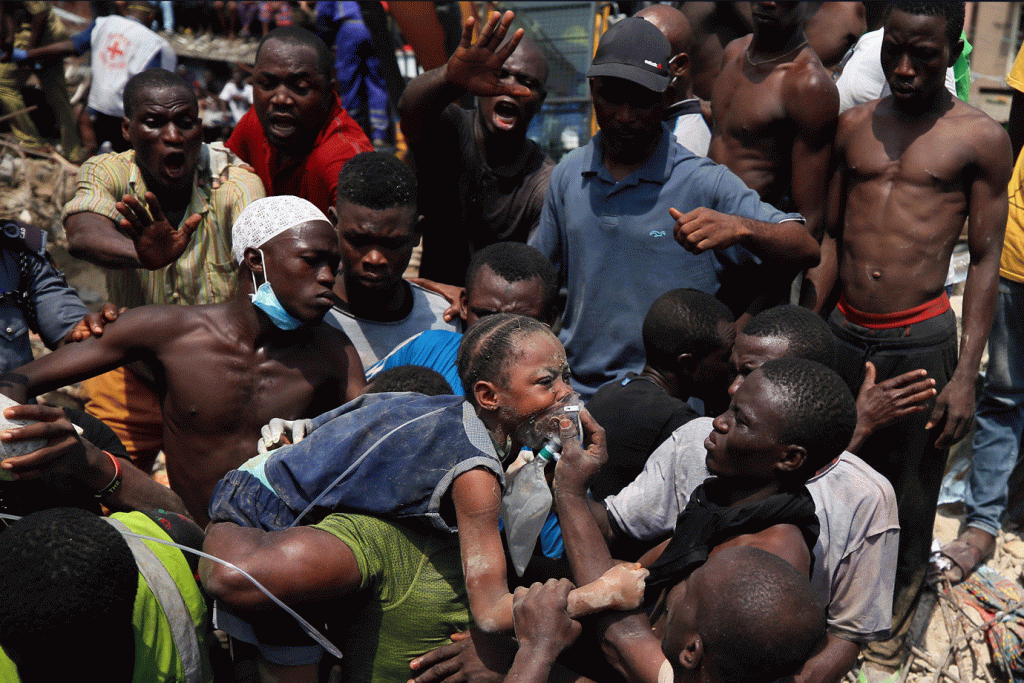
(968, 552)
(619, 588)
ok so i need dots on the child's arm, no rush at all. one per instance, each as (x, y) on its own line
(477, 499)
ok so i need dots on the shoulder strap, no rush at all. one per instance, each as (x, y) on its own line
(167, 594)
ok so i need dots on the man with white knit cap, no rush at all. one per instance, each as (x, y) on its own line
(227, 369)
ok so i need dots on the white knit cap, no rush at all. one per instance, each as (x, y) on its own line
(268, 217)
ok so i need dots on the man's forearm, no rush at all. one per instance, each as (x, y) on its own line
(423, 100)
(980, 292)
(64, 48)
(585, 546)
(830, 662)
(95, 238)
(787, 244)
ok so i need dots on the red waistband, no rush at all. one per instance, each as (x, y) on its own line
(884, 321)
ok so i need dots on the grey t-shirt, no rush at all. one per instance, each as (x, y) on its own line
(374, 340)
(854, 558)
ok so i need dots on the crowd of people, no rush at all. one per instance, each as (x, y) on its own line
(741, 277)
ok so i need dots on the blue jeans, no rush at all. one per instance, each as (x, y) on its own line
(1000, 414)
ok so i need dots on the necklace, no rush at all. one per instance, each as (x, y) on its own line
(772, 59)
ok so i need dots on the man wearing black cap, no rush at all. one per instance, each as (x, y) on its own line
(615, 205)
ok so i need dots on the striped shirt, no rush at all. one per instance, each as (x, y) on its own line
(205, 272)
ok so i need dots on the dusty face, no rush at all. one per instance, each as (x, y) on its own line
(300, 264)
(506, 114)
(915, 56)
(749, 353)
(490, 293)
(629, 114)
(376, 245)
(291, 97)
(535, 379)
(166, 134)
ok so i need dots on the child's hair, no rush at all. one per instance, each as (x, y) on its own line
(488, 348)
(416, 378)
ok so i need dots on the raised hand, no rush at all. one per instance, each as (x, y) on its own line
(157, 242)
(477, 67)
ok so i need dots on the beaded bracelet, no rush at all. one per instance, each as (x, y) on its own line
(115, 483)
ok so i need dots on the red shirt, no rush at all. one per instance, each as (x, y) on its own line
(315, 177)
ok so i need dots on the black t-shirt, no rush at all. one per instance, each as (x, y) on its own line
(637, 416)
(465, 204)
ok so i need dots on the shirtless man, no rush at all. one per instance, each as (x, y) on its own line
(226, 369)
(911, 168)
(832, 28)
(775, 110)
(715, 25)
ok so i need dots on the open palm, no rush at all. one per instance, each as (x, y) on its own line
(157, 242)
(477, 67)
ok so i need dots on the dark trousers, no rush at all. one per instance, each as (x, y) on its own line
(903, 452)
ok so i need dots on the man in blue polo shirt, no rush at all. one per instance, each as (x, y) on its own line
(615, 205)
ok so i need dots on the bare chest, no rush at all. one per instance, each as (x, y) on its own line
(750, 110)
(219, 393)
(902, 159)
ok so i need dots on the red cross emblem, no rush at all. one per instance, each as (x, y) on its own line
(115, 50)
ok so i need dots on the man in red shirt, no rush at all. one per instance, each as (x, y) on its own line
(296, 135)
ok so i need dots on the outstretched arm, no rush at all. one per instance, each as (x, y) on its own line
(299, 565)
(475, 68)
(144, 238)
(786, 244)
(132, 337)
(954, 406)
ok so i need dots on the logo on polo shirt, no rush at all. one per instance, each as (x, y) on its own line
(657, 233)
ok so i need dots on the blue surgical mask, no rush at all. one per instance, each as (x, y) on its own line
(265, 300)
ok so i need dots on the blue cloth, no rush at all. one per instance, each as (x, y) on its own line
(358, 71)
(390, 455)
(56, 304)
(83, 40)
(434, 349)
(614, 247)
(1000, 414)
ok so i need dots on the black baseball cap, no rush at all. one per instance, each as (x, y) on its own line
(634, 49)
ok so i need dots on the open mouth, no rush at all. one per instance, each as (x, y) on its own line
(506, 114)
(283, 125)
(174, 164)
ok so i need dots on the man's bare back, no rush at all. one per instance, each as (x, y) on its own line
(907, 188)
(774, 120)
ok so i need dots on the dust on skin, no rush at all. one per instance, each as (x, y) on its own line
(619, 588)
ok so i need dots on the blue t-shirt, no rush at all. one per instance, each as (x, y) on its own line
(434, 349)
(614, 248)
